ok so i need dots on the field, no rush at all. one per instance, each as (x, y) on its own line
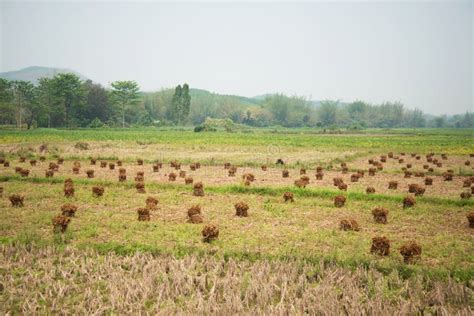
(284, 257)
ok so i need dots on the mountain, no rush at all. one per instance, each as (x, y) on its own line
(33, 73)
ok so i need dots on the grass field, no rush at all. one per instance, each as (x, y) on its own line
(297, 237)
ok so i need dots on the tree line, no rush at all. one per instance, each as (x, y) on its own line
(67, 101)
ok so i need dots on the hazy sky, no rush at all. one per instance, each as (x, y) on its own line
(419, 53)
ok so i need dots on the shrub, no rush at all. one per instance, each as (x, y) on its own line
(198, 189)
(372, 171)
(53, 166)
(119, 163)
(60, 223)
(409, 201)
(288, 196)
(182, 174)
(349, 224)
(285, 173)
(122, 177)
(192, 167)
(140, 186)
(75, 170)
(60, 161)
(122, 171)
(337, 181)
(24, 172)
(33, 162)
(392, 185)
(249, 177)
(188, 180)
(400, 160)
(300, 183)
(448, 176)
(6, 163)
(227, 165)
(319, 169)
(97, 191)
(419, 191)
(49, 173)
(264, 168)
(380, 246)
(69, 210)
(370, 190)
(151, 202)
(407, 174)
(419, 174)
(465, 195)
(42, 158)
(156, 168)
(143, 214)
(103, 164)
(319, 175)
(93, 161)
(345, 170)
(68, 190)
(412, 187)
(354, 177)
(339, 200)
(140, 162)
(467, 163)
(470, 218)
(342, 186)
(111, 166)
(467, 183)
(380, 215)
(428, 181)
(22, 159)
(302, 171)
(1, 191)
(232, 171)
(16, 200)
(172, 176)
(194, 214)
(210, 232)
(241, 209)
(90, 174)
(410, 251)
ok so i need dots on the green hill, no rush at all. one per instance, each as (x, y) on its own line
(33, 73)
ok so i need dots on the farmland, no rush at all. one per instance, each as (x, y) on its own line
(305, 238)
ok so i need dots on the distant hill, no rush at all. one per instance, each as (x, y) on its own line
(203, 93)
(33, 73)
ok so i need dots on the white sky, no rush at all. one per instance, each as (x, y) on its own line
(419, 53)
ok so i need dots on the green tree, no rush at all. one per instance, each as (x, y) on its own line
(327, 112)
(124, 95)
(69, 99)
(97, 102)
(24, 101)
(46, 96)
(7, 113)
(180, 104)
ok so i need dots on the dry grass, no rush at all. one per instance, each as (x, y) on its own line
(48, 281)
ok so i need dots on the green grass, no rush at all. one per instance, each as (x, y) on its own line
(448, 141)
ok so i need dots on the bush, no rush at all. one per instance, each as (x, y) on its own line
(143, 214)
(188, 180)
(69, 210)
(194, 214)
(428, 181)
(172, 176)
(370, 190)
(342, 186)
(380, 246)
(210, 232)
(241, 209)
(90, 174)
(140, 186)
(465, 195)
(285, 173)
(410, 251)
(97, 191)
(470, 218)
(198, 189)
(288, 196)
(380, 215)
(151, 202)
(409, 201)
(60, 223)
(17, 200)
(339, 200)
(349, 224)
(392, 185)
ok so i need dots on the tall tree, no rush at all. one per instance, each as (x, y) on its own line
(24, 99)
(6, 102)
(327, 112)
(69, 97)
(125, 94)
(45, 91)
(97, 102)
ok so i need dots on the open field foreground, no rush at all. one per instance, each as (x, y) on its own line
(145, 220)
